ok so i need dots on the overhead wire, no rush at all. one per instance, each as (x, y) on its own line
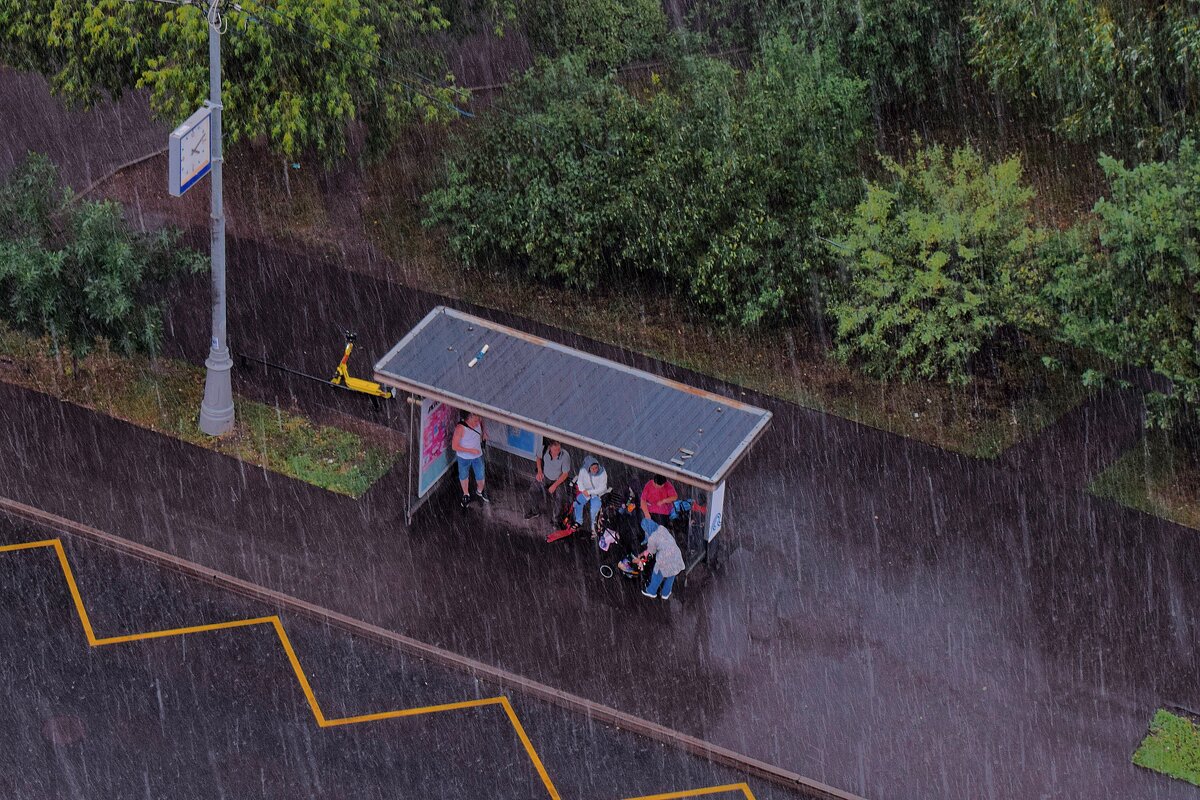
(293, 22)
(381, 59)
(329, 34)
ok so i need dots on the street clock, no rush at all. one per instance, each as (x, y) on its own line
(190, 152)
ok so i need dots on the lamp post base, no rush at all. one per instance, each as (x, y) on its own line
(216, 410)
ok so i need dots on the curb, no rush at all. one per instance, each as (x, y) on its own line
(590, 709)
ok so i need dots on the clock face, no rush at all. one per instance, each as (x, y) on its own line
(194, 150)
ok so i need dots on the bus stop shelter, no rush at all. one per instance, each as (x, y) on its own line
(532, 390)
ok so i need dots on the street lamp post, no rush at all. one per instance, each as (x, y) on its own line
(216, 410)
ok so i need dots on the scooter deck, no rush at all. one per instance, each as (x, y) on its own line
(561, 534)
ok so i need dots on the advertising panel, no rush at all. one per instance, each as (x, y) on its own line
(437, 428)
(512, 439)
(716, 511)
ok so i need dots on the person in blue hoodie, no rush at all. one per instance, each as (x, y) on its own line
(590, 485)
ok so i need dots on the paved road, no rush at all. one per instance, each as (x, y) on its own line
(220, 713)
(896, 620)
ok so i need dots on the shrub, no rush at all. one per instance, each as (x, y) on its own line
(698, 184)
(1122, 69)
(907, 50)
(72, 270)
(605, 33)
(1130, 291)
(941, 268)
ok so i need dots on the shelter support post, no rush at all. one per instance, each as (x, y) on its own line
(695, 544)
(713, 545)
(414, 454)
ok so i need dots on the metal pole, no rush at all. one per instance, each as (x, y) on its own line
(414, 459)
(216, 410)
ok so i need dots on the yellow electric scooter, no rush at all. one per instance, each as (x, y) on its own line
(342, 376)
(342, 379)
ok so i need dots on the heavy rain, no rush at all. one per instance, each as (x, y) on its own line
(898, 301)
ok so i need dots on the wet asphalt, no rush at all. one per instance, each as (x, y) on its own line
(221, 714)
(890, 618)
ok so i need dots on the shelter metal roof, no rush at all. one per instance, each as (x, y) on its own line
(602, 406)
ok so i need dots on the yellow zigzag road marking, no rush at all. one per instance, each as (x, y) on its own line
(732, 787)
(322, 720)
(277, 624)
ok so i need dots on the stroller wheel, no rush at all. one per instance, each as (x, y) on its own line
(606, 571)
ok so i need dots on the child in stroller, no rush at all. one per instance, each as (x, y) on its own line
(634, 564)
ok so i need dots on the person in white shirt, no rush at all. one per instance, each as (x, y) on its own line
(469, 436)
(590, 485)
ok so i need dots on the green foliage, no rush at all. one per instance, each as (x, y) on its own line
(1172, 747)
(941, 267)
(1156, 476)
(605, 33)
(72, 270)
(1115, 68)
(906, 49)
(468, 18)
(325, 456)
(1130, 290)
(298, 85)
(716, 185)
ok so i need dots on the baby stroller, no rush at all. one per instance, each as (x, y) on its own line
(633, 566)
(620, 538)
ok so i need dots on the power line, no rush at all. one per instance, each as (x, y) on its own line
(352, 46)
(293, 22)
(378, 57)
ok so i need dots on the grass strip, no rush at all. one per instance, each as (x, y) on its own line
(1172, 747)
(1155, 477)
(164, 395)
(981, 421)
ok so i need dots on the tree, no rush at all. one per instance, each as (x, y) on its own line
(1100, 68)
(942, 268)
(706, 183)
(781, 168)
(605, 33)
(1131, 288)
(72, 270)
(907, 50)
(295, 73)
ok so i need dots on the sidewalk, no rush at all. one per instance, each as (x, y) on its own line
(896, 621)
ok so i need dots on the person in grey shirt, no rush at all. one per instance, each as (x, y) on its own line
(668, 562)
(553, 469)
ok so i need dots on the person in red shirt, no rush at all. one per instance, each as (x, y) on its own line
(658, 497)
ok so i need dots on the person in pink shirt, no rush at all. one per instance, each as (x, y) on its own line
(658, 497)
